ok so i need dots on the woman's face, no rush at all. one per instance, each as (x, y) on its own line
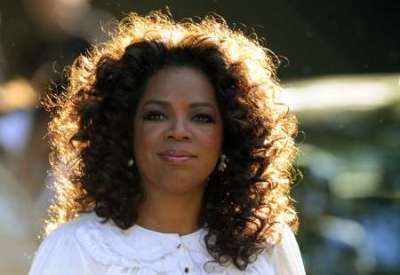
(178, 131)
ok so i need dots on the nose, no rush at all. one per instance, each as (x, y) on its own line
(178, 129)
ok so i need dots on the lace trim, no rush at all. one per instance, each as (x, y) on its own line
(94, 242)
(96, 238)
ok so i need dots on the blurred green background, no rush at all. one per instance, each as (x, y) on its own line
(341, 76)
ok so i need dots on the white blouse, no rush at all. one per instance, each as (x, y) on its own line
(85, 246)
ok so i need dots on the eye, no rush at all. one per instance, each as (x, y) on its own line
(154, 116)
(204, 118)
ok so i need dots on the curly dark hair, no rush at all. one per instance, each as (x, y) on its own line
(91, 131)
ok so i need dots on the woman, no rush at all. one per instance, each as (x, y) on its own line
(171, 156)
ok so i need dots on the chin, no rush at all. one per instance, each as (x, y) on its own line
(181, 186)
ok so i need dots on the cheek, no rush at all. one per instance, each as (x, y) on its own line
(211, 150)
(211, 141)
(146, 144)
(146, 138)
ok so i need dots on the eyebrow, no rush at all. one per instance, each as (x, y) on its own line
(167, 103)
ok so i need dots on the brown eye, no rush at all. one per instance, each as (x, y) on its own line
(154, 116)
(204, 118)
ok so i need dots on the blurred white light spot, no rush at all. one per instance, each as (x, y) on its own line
(341, 92)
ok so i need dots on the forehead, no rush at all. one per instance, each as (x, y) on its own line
(177, 84)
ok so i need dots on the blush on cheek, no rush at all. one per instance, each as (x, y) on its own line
(212, 140)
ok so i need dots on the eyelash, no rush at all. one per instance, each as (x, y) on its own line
(157, 116)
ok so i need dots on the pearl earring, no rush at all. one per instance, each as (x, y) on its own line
(223, 163)
(131, 163)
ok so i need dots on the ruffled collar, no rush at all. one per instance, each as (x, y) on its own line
(136, 246)
(170, 241)
(140, 251)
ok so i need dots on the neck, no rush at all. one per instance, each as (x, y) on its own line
(172, 213)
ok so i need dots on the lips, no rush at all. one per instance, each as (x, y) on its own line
(177, 153)
(176, 156)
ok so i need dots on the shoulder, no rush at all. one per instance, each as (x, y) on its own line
(60, 249)
(68, 230)
(284, 258)
(66, 233)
